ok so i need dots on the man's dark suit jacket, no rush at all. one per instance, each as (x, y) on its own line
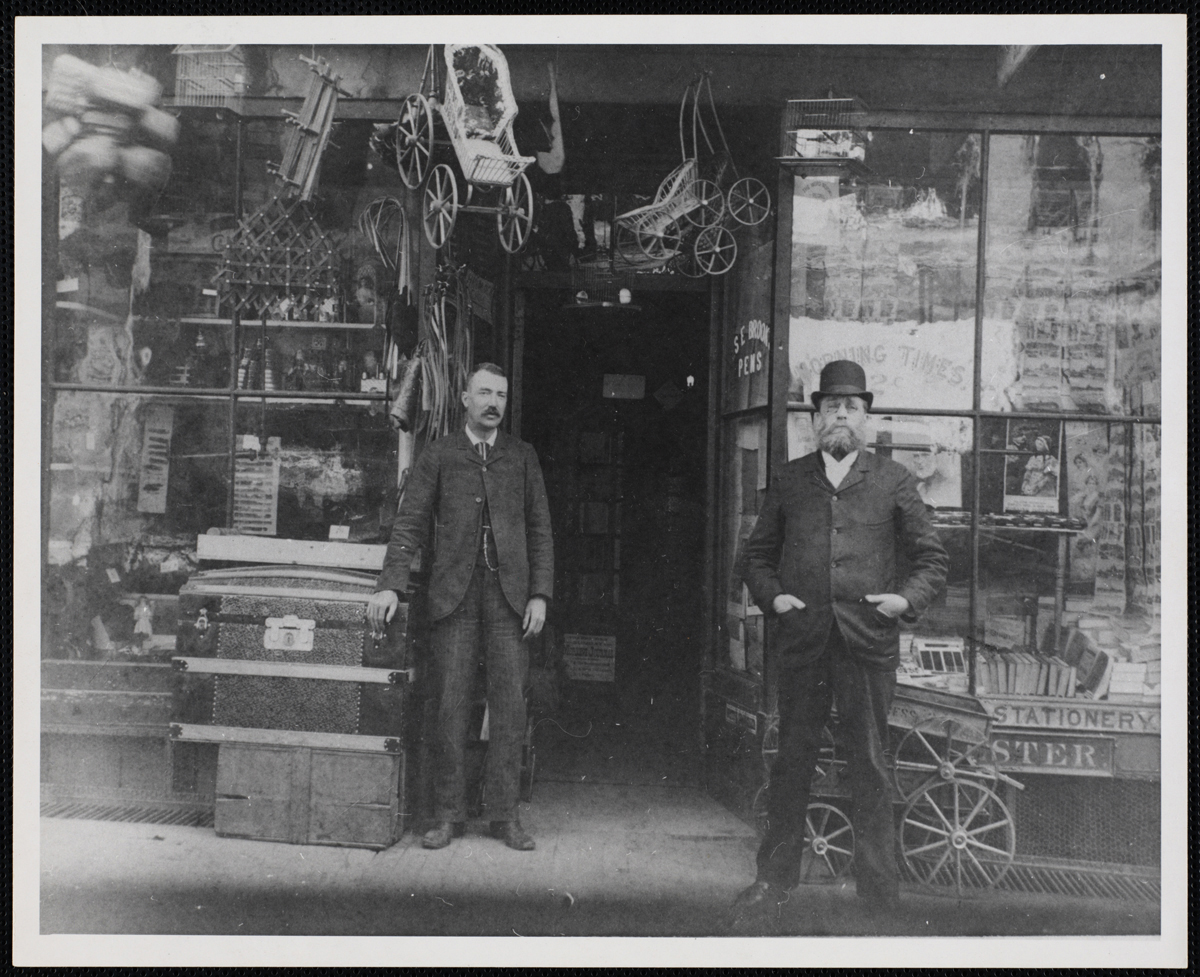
(442, 513)
(830, 547)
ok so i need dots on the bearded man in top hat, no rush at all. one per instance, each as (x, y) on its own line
(842, 551)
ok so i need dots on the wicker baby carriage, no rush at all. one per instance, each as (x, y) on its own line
(687, 223)
(472, 95)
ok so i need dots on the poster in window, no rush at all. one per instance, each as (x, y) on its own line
(1032, 466)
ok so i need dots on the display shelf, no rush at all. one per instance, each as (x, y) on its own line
(350, 397)
(824, 165)
(201, 320)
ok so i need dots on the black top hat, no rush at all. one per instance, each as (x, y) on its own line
(842, 378)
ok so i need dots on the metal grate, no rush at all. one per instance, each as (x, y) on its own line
(1104, 882)
(1115, 822)
(133, 814)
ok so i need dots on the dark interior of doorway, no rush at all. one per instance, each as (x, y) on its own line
(625, 479)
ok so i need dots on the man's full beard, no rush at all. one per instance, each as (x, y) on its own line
(839, 441)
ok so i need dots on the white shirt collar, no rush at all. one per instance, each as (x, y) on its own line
(835, 470)
(490, 439)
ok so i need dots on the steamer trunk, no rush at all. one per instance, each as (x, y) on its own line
(279, 667)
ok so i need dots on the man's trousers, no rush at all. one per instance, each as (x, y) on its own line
(863, 698)
(483, 628)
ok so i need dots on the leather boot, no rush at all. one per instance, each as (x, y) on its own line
(440, 834)
(513, 835)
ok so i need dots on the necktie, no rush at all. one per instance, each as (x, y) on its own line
(487, 541)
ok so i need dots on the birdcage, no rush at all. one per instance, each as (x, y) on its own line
(210, 75)
(600, 285)
(822, 127)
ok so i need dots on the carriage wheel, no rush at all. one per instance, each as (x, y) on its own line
(441, 205)
(828, 844)
(940, 749)
(749, 201)
(712, 204)
(659, 242)
(716, 250)
(514, 220)
(957, 833)
(414, 140)
(685, 263)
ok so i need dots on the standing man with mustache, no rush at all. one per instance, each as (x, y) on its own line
(843, 549)
(476, 503)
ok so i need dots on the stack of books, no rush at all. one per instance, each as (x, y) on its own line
(1024, 673)
(1128, 682)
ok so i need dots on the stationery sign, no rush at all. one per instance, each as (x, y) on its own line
(908, 364)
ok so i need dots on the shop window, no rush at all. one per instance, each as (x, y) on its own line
(1070, 564)
(312, 471)
(1072, 308)
(744, 487)
(883, 268)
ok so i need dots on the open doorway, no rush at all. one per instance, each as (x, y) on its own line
(615, 400)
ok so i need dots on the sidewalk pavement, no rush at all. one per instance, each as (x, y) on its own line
(611, 860)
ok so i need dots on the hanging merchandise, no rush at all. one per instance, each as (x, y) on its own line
(407, 399)
(280, 253)
(446, 354)
(473, 98)
(688, 224)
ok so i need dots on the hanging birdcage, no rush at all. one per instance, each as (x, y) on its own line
(210, 75)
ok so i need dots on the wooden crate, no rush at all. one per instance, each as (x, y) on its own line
(311, 796)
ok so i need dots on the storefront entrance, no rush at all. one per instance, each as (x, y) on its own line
(615, 402)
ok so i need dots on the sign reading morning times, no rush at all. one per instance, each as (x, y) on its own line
(907, 364)
(1098, 717)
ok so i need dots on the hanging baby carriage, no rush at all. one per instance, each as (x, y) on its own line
(688, 222)
(472, 95)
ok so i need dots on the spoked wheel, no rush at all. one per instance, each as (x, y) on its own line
(414, 140)
(941, 749)
(441, 205)
(658, 241)
(828, 844)
(957, 833)
(514, 220)
(686, 264)
(712, 204)
(716, 250)
(749, 201)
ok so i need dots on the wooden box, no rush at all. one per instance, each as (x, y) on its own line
(311, 796)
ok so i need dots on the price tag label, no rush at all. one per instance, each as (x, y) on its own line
(113, 576)
(339, 532)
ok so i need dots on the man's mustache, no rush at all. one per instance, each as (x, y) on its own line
(491, 412)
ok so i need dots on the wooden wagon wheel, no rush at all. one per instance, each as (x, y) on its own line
(658, 241)
(712, 204)
(716, 250)
(828, 844)
(940, 749)
(958, 833)
(414, 140)
(514, 219)
(749, 201)
(441, 205)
